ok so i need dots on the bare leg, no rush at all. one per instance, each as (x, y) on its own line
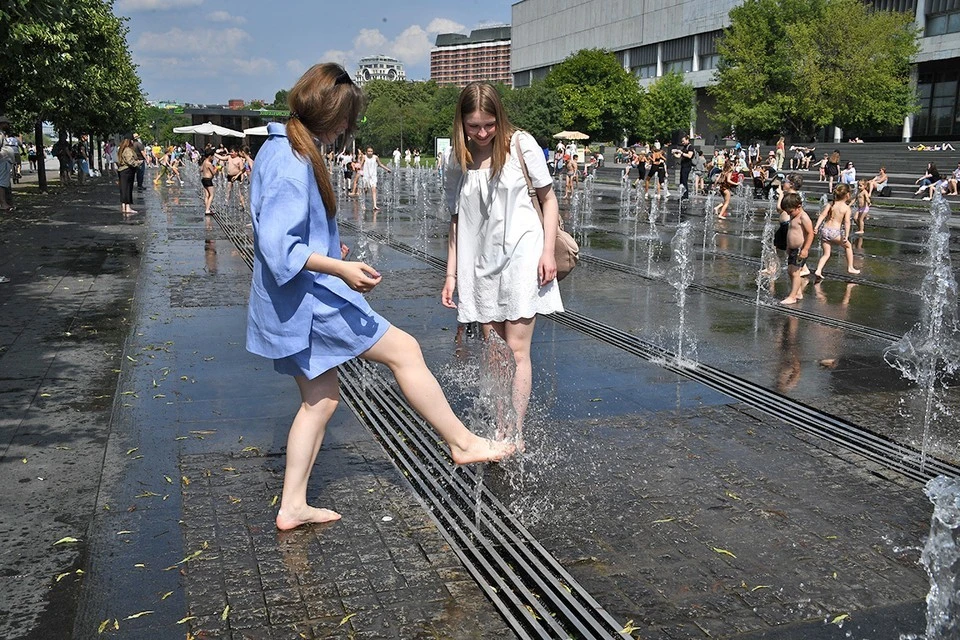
(518, 334)
(796, 283)
(401, 352)
(207, 199)
(319, 399)
(373, 194)
(849, 250)
(824, 257)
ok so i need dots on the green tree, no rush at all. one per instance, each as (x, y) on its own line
(537, 109)
(666, 107)
(161, 122)
(599, 96)
(280, 99)
(794, 66)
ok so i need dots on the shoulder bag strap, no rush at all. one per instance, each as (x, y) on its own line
(531, 191)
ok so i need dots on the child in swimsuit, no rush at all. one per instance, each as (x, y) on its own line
(863, 206)
(799, 239)
(834, 229)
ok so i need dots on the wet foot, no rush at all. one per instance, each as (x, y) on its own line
(789, 301)
(483, 450)
(804, 272)
(819, 276)
(853, 271)
(306, 515)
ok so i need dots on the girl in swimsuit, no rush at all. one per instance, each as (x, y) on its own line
(863, 206)
(833, 226)
(207, 171)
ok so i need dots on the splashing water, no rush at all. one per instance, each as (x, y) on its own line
(929, 353)
(769, 260)
(941, 559)
(680, 277)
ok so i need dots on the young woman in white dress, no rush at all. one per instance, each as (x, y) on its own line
(499, 260)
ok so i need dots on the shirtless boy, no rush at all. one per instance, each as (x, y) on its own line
(791, 184)
(799, 239)
(834, 227)
(234, 170)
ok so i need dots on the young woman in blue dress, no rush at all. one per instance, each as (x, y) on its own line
(306, 311)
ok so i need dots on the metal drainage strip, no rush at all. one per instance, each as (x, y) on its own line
(535, 595)
(532, 591)
(881, 450)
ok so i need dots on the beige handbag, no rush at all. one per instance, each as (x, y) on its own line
(565, 249)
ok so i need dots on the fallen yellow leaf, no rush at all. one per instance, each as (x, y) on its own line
(129, 451)
(166, 595)
(273, 502)
(67, 540)
(138, 615)
(840, 618)
(346, 618)
(226, 612)
(103, 625)
(629, 627)
(723, 551)
(187, 619)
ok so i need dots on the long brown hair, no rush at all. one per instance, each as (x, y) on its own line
(483, 97)
(322, 100)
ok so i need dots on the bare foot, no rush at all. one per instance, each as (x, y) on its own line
(819, 276)
(307, 515)
(804, 271)
(853, 271)
(789, 301)
(483, 450)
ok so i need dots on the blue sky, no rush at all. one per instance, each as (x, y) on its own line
(208, 51)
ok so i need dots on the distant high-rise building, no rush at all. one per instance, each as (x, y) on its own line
(483, 55)
(379, 68)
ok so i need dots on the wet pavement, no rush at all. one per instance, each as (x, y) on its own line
(685, 513)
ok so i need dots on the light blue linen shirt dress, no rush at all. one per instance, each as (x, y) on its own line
(306, 322)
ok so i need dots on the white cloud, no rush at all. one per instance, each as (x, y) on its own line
(369, 40)
(210, 66)
(444, 25)
(128, 6)
(225, 16)
(193, 41)
(296, 66)
(412, 46)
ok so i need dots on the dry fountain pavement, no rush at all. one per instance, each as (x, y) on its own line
(142, 451)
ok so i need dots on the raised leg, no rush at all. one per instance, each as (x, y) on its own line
(401, 353)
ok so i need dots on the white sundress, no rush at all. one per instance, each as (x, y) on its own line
(500, 239)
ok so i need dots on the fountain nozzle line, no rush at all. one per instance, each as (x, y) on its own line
(881, 450)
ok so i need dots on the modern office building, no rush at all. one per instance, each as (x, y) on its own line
(379, 68)
(653, 37)
(457, 59)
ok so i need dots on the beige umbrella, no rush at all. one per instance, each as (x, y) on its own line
(209, 129)
(571, 135)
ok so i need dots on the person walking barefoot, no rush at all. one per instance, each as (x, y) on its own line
(500, 256)
(799, 239)
(306, 311)
(833, 225)
(370, 164)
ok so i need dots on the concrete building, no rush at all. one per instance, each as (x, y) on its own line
(457, 59)
(379, 68)
(653, 37)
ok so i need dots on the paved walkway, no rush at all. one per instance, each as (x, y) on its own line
(136, 427)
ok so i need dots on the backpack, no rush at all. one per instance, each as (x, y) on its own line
(886, 192)
(780, 236)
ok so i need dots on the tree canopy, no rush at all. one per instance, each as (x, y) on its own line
(68, 63)
(665, 108)
(598, 95)
(795, 66)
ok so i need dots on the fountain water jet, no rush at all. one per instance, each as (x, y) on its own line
(680, 277)
(929, 353)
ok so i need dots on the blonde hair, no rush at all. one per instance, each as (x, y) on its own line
(322, 100)
(482, 97)
(841, 191)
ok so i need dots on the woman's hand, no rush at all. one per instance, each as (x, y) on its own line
(344, 251)
(359, 276)
(547, 269)
(446, 296)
